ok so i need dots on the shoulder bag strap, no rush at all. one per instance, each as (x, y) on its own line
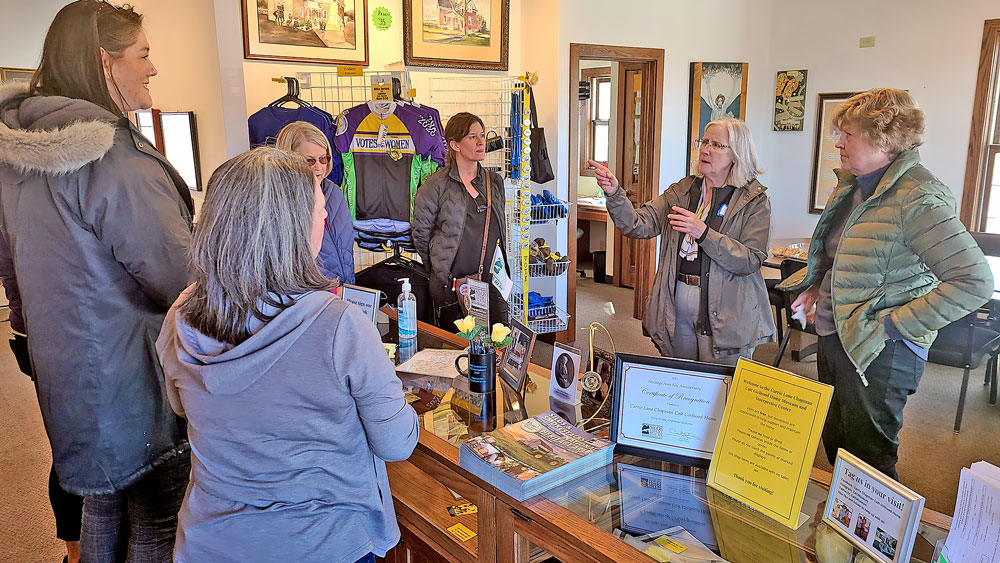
(489, 215)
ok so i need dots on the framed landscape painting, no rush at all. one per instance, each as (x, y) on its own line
(717, 90)
(16, 75)
(306, 31)
(456, 33)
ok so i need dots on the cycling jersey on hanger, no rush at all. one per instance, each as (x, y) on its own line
(388, 149)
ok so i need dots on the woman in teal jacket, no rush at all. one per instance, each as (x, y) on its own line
(889, 264)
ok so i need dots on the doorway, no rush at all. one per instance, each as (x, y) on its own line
(615, 117)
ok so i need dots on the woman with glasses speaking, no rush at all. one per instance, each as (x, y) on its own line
(708, 300)
(336, 256)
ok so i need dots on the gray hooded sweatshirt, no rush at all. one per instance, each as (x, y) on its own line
(288, 432)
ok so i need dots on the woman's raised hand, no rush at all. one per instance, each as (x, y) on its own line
(605, 179)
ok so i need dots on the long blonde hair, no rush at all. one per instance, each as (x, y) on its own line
(251, 245)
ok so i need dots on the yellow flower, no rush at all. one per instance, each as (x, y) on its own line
(466, 325)
(499, 333)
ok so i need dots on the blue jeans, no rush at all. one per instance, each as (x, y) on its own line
(139, 523)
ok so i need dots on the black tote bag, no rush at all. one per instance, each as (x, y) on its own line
(541, 166)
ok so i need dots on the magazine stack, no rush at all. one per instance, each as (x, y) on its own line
(532, 456)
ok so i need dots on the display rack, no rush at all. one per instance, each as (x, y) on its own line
(503, 104)
(334, 94)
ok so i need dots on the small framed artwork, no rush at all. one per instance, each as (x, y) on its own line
(564, 385)
(317, 31)
(517, 356)
(366, 299)
(445, 34)
(877, 514)
(604, 366)
(789, 100)
(179, 133)
(826, 156)
(717, 90)
(16, 75)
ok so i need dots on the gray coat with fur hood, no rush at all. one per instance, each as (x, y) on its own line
(94, 231)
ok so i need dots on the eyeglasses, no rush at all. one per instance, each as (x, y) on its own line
(322, 160)
(715, 146)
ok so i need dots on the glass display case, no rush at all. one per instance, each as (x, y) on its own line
(611, 514)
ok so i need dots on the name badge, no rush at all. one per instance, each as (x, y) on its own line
(722, 209)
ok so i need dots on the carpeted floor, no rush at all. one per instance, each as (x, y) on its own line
(931, 455)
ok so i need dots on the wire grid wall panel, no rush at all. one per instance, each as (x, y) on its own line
(488, 97)
(334, 94)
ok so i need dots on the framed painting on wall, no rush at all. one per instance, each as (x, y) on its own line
(16, 75)
(456, 33)
(306, 31)
(826, 156)
(717, 90)
(789, 100)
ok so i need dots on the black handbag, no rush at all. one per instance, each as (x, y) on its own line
(541, 166)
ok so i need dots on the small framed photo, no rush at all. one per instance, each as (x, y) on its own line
(877, 514)
(564, 384)
(363, 297)
(179, 135)
(517, 356)
(604, 365)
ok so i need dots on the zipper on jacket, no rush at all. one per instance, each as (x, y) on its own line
(833, 270)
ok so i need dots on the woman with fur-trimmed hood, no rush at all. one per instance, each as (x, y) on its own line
(94, 231)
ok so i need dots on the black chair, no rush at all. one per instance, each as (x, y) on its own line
(964, 344)
(788, 267)
(990, 245)
(777, 299)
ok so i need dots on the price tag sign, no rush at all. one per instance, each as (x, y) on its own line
(382, 92)
(349, 71)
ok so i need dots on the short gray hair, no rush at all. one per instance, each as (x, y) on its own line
(251, 246)
(746, 166)
(298, 132)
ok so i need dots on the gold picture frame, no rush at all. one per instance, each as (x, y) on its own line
(325, 31)
(435, 34)
(16, 75)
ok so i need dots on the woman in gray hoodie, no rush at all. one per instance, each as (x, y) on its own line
(293, 407)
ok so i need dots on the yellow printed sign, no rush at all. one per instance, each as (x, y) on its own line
(382, 92)
(670, 544)
(461, 532)
(349, 71)
(412, 93)
(770, 430)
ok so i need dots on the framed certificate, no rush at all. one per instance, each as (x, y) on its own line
(667, 406)
(877, 514)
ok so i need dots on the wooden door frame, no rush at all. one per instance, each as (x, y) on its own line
(974, 202)
(652, 113)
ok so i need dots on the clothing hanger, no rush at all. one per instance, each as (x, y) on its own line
(292, 95)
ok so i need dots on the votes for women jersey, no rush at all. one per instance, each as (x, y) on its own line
(387, 150)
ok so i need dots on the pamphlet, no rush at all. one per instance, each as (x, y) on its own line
(768, 439)
(564, 385)
(479, 303)
(429, 361)
(975, 528)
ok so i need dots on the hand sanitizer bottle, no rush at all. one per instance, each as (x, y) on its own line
(406, 311)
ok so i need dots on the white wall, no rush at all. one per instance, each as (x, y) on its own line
(22, 37)
(187, 62)
(928, 47)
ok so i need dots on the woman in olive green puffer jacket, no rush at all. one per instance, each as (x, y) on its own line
(889, 264)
